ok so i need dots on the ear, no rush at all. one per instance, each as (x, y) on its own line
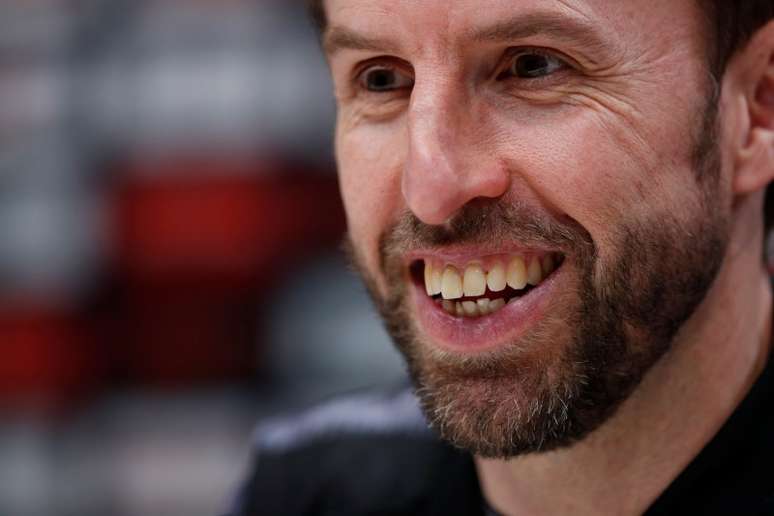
(752, 75)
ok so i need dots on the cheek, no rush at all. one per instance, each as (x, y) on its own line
(370, 162)
(600, 172)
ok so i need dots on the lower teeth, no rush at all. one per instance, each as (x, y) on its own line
(473, 309)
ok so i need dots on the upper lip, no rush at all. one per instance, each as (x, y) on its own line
(461, 256)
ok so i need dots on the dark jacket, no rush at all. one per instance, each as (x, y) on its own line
(372, 454)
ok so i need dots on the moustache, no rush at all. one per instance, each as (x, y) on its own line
(484, 222)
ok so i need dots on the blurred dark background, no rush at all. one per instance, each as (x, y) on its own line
(169, 250)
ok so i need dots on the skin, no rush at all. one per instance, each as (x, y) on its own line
(605, 141)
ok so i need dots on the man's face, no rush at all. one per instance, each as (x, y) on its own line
(534, 198)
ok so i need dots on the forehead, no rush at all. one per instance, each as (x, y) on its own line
(419, 25)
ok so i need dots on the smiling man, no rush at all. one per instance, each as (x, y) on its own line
(558, 208)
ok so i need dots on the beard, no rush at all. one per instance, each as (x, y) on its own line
(617, 314)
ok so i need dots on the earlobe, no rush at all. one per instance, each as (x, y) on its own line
(755, 156)
(755, 166)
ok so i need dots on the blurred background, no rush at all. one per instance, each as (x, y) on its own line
(169, 250)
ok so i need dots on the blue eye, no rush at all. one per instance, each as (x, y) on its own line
(532, 65)
(384, 79)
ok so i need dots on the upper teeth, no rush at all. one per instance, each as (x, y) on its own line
(474, 281)
(517, 272)
(451, 283)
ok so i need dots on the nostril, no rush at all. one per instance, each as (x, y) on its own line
(436, 196)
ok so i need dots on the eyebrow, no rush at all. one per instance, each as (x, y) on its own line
(557, 25)
(338, 38)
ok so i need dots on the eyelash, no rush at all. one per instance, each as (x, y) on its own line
(510, 57)
(515, 53)
(384, 63)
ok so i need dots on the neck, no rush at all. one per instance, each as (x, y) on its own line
(682, 402)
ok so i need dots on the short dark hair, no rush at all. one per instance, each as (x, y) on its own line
(734, 21)
(317, 14)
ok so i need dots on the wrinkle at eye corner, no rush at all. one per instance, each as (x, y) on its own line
(602, 99)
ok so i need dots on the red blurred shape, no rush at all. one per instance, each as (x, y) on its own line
(174, 339)
(229, 222)
(200, 245)
(48, 358)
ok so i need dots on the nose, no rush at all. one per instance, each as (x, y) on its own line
(449, 162)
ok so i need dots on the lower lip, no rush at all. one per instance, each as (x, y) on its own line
(487, 333)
